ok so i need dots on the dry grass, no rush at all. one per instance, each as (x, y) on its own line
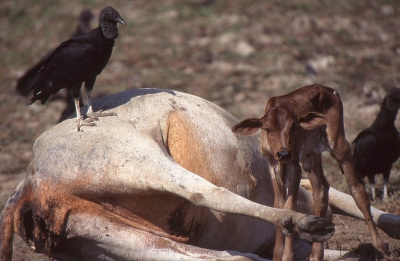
(234, 53)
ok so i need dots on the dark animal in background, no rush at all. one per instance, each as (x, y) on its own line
(80, 60)
(376, 148)
(84, 23)
(27, 82)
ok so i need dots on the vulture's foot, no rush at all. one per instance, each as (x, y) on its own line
(95, 116)
(87, 122)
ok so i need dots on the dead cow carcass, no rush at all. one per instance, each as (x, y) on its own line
(164, 180)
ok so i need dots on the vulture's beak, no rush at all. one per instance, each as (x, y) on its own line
(119, 20)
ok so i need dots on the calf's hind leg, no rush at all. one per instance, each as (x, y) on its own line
(340, 150)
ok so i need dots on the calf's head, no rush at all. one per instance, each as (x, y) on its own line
(280, 131)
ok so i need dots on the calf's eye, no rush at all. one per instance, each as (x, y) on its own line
(267, 130)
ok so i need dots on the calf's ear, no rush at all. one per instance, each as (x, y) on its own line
(247, 127)
(313, 120)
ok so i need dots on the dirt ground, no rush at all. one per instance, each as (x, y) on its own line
(236, 54)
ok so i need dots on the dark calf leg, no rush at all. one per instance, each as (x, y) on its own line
(292, 177)
(286, 178)
(279, 202)
(313, 166)
(341, 152)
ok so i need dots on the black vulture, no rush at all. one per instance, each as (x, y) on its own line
(377, 147)
(27, 82)
(79, 60)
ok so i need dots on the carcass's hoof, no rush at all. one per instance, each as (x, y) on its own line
(315, 229)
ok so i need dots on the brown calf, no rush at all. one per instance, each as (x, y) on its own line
(296, 128)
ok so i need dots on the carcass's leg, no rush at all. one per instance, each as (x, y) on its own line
(113, 239)
(313, 166)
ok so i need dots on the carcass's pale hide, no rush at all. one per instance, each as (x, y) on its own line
(127, 189)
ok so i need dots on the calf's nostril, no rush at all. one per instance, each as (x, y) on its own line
(284, 154)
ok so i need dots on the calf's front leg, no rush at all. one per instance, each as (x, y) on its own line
(313, 166)
(286, 182)
(279, 188)
(292, 176)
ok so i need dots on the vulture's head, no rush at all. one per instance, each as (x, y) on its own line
(108, 19)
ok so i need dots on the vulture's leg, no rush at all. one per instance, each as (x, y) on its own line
(75, 91)
(80, 121)
(90, 114)
(371, 179)
(386, 175)
(78, 109)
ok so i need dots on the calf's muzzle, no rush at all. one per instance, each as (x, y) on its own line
(284, 154)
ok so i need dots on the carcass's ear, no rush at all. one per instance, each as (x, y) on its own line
(313, 120)
(247, 127)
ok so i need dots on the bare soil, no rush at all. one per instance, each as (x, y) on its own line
(236, 54)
